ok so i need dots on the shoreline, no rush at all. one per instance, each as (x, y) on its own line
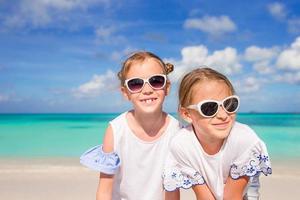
(65, 178)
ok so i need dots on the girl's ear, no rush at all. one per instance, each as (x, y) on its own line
(184, 113)
(125, 93)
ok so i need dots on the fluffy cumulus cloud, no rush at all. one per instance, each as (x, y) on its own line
(263, 67)
(262, 58)
(42, 12)
(277, 10)
(292, 78)
(289, 59)
(212, 25)
(255, 53)
(97, 85)
(294, 25)
(266, 65)
(225, 61)
(248, 85)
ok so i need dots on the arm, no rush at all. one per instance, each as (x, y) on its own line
(234, 189)
(202, 192)
(174, 195)
(105, 186)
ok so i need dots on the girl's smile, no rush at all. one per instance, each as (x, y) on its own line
(148, 101)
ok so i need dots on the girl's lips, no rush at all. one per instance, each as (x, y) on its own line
(222, 125)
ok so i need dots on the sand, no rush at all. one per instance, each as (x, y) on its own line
(64, 179)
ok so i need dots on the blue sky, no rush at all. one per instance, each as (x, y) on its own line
(63, 55)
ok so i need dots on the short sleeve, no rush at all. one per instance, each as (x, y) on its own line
(252, 162)
(177, 174)
(98, 160)
(181, 177)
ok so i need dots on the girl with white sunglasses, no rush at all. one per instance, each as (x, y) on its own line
(136, 143)
(215, 155)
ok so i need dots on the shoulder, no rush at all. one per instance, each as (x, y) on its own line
(183, 140)
(243, 141)
(120, 118)
(110, 135)
(243, 128)
(242, 133)
(241, 138)
(185, 133)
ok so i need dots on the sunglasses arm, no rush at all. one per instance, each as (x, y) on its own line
(193, 107)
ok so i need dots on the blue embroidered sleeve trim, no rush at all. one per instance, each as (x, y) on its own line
(257, 164)
(98, 160)
(175, 179)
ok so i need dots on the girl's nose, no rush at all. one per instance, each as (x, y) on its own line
(222, 114)
(147, 88)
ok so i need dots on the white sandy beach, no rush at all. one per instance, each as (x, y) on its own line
(66, 179)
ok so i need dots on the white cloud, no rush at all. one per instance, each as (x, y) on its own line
(42, 12)
(294, 25)
(214, 26)
(263, 67)
(292, 78)
(97, 85)
(226, 61)
(290, 58)
(255, 53)
(277, 10)
(261, 58)
(194, 55)
(247, 85)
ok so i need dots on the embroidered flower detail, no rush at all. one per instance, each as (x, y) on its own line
(186, 182)
(263, 158)
(174, 175)
(250, 170)
(181, 178)
(258, 163)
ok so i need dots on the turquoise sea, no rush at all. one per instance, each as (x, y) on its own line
(69, 135)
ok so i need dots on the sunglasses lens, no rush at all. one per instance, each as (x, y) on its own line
(231, 104)
(209, 108)
(135, 84)
(157, 82)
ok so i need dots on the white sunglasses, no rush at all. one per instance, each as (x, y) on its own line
(136, 84)
(209, 108)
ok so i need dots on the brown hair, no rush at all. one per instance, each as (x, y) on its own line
(141, 56)
(196, 76)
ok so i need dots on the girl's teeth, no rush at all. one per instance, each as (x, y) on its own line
(148, 101)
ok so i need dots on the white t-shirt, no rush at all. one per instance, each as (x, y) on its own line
(242, 154)
(141, 163)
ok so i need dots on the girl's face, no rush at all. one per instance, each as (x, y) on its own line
(217, 128)
(148, 100)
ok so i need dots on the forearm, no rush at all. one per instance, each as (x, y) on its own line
(103, 196)
(105, 187)
(174, 195)
(202, 192)
(234, 189)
